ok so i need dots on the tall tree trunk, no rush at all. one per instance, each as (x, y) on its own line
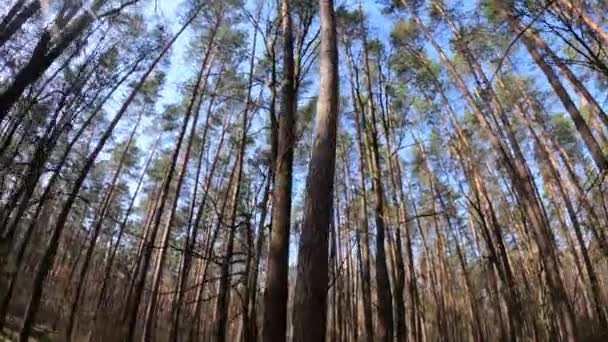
(252, 333)
(223, 301)
(200, 89)
(540, 116)
(310, 301)
(105, 283)
(194, 332)
(103, 212)
(276, 293)
(553, 178)
(529, 202)
(399, 279)
(211, 241)
(385, 307)
(194, 220)
(46, 194)
(363, 220)
(47, 262)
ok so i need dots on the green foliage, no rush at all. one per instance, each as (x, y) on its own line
(564, 132)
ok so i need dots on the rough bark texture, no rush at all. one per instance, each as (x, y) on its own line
(310, 302)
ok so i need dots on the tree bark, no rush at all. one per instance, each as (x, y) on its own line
(310, 302)
(276, 293)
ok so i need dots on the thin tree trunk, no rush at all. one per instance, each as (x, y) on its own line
(363, 229)
(194, 221)
(277, 285)
(211, 241)
(43, 200)
(531, 41)
(553, 178)
(595, 27)
(103, 211)
(223, 302)
(194, 332)
(200, 89)
(252, 330)
(529, 202)
(121, 230)
(46, 264)
(384, 295)
(399, 279)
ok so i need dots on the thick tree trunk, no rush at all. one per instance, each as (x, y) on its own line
(310, 302)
